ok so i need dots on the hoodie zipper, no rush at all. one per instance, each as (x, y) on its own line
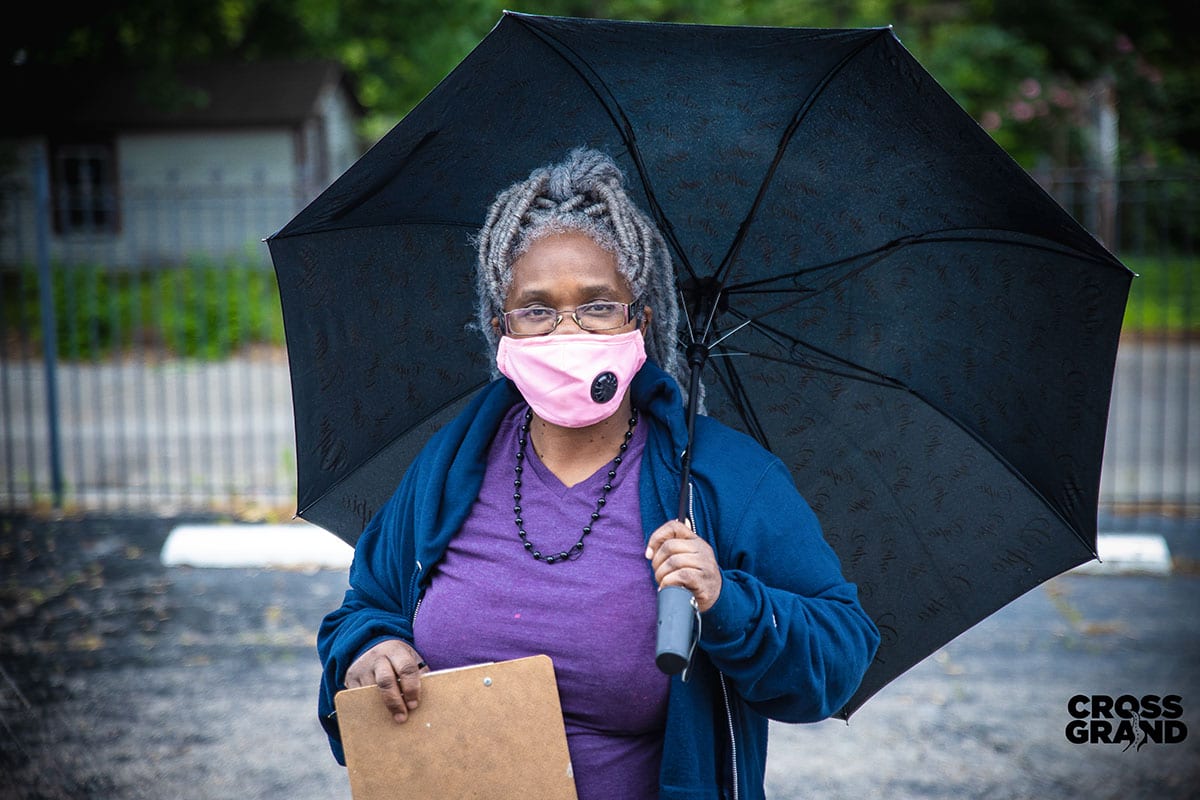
(413, 591)
(732, 736)
(692, 504)
(733, 762)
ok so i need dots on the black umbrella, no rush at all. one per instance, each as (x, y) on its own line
(882, 296)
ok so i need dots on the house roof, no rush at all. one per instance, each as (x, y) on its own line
(247, 94)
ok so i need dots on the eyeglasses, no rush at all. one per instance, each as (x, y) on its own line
(595, 317)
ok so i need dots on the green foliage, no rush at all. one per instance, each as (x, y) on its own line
(1145, 52)
(1029, 70)
(1029, 79)
(200, 310)
(1002, 81)
(1165, 297)
(210, 311)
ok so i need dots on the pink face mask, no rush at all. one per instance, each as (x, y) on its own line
(572, 379)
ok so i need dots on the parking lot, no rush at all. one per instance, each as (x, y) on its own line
(125, 678)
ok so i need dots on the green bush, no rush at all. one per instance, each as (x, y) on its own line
(211, 310)
(1165, 297)
(202, 309)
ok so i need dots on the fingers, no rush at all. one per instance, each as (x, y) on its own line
(409, 674)
(681, 558)
(679, 569)
(695, 571)
(673, 529)
(395, 668)
(389, 688)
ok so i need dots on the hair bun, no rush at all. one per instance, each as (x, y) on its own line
(582, 172)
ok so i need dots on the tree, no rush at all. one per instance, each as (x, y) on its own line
(1141, 52)
(1028, 70)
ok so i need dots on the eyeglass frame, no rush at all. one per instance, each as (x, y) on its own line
(561, 313)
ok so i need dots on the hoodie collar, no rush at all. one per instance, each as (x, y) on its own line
(657, 393)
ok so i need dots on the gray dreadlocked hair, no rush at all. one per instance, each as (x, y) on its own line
(585, 192)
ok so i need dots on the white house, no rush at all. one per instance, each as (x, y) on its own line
(147, 169)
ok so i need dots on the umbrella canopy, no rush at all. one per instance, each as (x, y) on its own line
(892, 305)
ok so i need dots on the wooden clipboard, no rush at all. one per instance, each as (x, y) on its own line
(490, 731)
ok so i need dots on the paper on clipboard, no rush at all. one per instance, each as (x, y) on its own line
(488, 731)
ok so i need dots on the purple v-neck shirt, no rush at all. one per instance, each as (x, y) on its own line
(489, 600)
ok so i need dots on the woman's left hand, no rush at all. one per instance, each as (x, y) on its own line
(681, 558)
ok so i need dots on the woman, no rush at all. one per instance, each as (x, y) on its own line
(541, 520)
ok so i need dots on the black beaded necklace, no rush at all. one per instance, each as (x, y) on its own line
(577, 548)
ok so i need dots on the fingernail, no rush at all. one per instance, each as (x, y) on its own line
(648, 553)
(399, 717)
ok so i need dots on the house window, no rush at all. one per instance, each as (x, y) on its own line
(85, 187)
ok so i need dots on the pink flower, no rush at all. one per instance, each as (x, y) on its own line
(1021, 111)
(990, 121)
(1062, 97)
(1149, 72)
(1030, 88)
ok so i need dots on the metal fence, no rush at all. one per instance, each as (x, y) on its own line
(163, 384)
(1152, 450)
(142, 363)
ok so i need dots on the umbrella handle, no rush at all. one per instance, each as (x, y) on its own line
(678, 622)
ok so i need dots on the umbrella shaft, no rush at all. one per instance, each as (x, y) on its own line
(697, 354)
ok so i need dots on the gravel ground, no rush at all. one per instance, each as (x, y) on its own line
(125, 679)
(122, 678)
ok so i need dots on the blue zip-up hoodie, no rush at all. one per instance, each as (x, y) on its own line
(786, 639)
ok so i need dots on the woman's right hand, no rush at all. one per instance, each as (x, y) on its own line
(395, 667)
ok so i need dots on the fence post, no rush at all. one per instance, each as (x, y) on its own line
(41, 178)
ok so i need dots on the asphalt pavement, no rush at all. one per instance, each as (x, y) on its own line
(124, 678)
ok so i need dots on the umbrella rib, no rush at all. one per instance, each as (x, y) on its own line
(727, 262)
(687, 319)
(735, 389)
(867, 375)
(888, 381)
(751, 287)
(438, 223)
(621, 122)
(881, 480)
(858, 372)
(789, 342)
(748, 320)
(929, 237)
(864, 376)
